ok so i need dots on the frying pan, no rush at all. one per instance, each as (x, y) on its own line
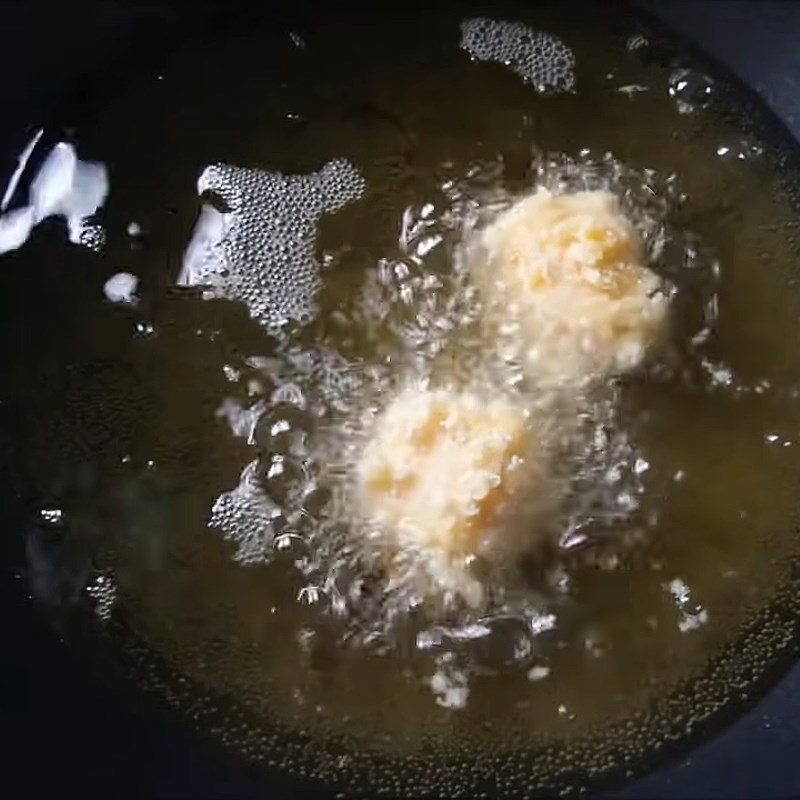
(73, 728)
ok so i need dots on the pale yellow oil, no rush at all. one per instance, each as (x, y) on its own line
(118, 424)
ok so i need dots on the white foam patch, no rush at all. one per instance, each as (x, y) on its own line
(538, 58)
(22, 162)
(260, 250)
(538, 673)
(121, 288)
(16, 227)
(63, 187)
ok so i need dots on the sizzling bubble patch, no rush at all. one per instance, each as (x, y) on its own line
(280, 493)
(538, 58)
(259, 247)
(103, 591)
(248, 516)
(315, 413)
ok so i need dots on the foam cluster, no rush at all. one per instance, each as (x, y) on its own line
(538, 58)
(259, 247)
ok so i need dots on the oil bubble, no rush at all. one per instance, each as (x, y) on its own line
(691, 90)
